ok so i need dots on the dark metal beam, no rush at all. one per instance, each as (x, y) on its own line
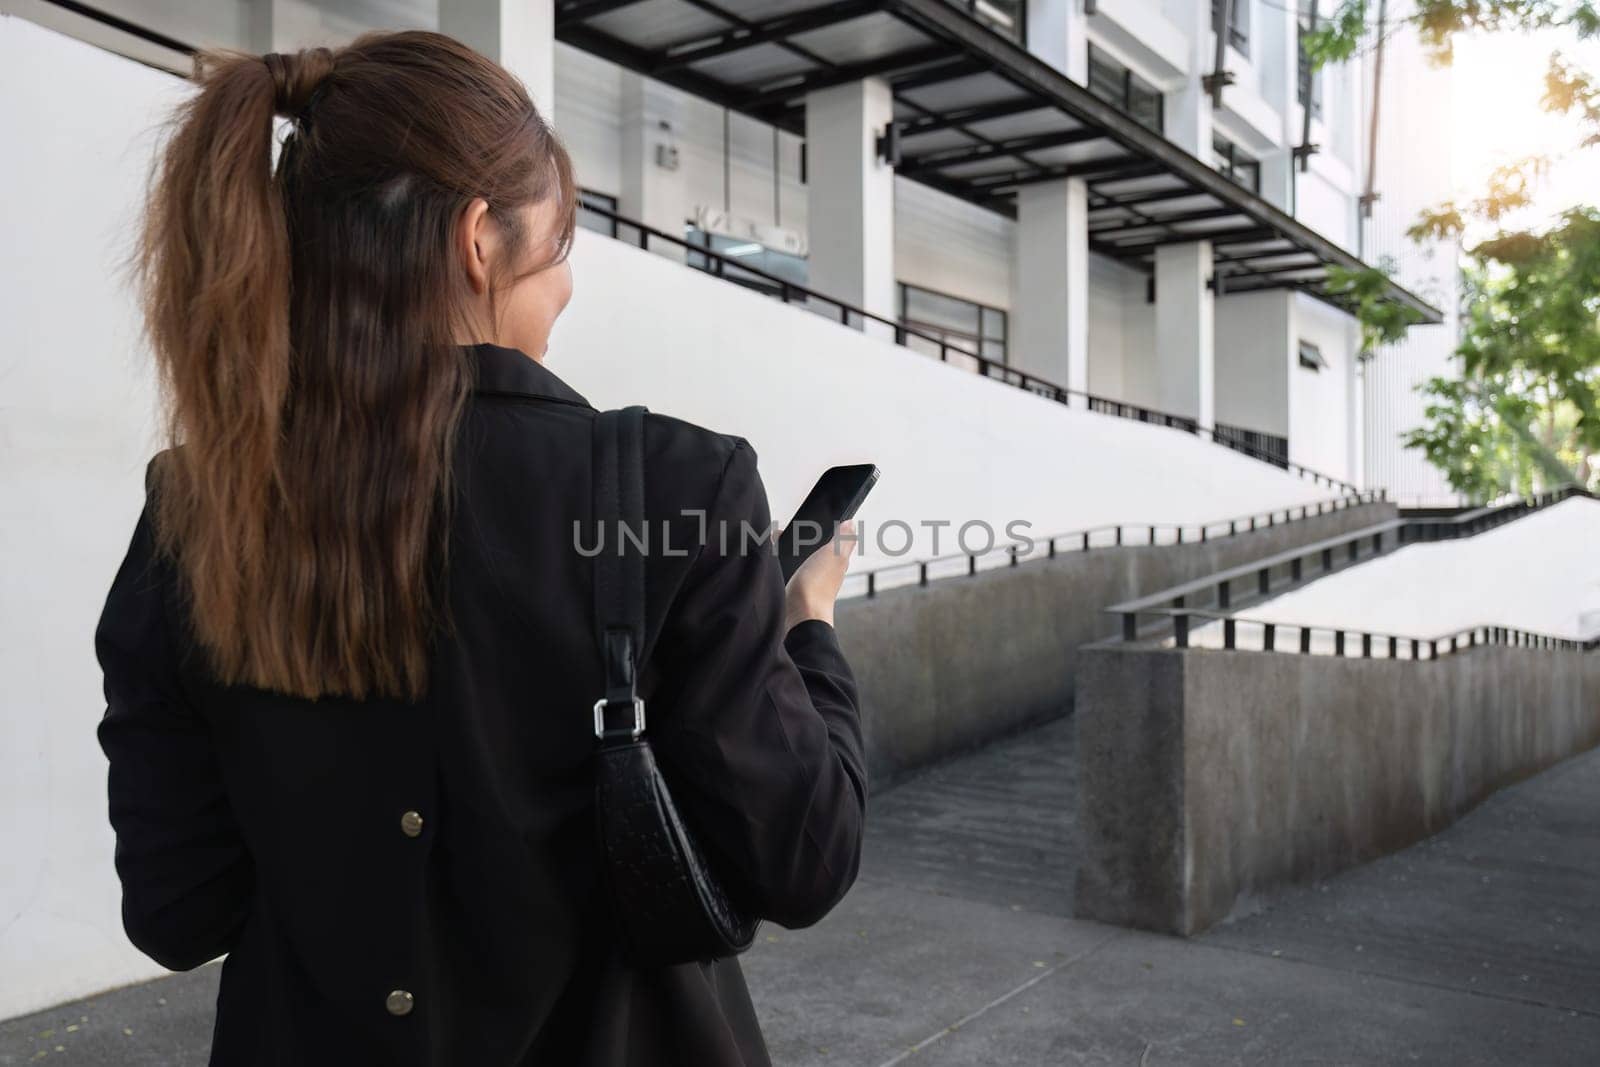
(1308, 288)
(1000, 203)
(1164, 220)
(1139, 199)
(1268, 273)
(1109, 251)
(586, 37)
(1241, 236)
(1100, 200)
(1125, 166)
(741, 37)
(1216, 237)
(578, 10)
(946, 72)
(1251, 257)
(963, 116)
(841, 75)
(955, 157)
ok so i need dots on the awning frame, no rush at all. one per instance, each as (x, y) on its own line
(1263, 248)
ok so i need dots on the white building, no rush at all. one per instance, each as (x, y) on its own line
(1065, 194)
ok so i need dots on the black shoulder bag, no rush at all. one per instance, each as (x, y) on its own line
(669, 907)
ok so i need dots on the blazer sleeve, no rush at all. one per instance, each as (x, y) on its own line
(758, 731)
(186, 876)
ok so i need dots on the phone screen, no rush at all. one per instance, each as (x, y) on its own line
(835, 498)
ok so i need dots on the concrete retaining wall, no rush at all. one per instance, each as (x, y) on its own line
(1207, 775)
(946, 668)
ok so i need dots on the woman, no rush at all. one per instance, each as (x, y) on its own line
(349, 659)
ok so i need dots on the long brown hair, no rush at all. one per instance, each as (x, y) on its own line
(304, 320)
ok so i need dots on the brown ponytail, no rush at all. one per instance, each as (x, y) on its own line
(304, 324)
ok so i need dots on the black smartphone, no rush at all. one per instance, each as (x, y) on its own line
(835, 498)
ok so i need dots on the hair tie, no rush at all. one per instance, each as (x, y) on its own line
(298, 79)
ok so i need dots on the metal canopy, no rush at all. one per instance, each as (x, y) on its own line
(978, 117)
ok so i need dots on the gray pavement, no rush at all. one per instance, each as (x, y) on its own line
(1481, 945)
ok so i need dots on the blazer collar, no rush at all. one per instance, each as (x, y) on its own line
(511, 372)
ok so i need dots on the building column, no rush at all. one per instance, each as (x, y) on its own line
(1186, 110)
(653, 190)
(1049, 329)
(1050, 283)
(1058, 33)
(1281, 89)
(520, 35)
(1186, 330)
(1185, 311)
(851, 192)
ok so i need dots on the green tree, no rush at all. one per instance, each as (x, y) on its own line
(1365, 291)
(1523, 415)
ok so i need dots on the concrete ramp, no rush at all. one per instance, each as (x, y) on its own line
(1540, 573)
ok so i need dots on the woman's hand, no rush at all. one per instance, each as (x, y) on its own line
(814, 587)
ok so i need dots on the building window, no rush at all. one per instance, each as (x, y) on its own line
(1311, 357)
(593, 220)
(1008, 18)
(737, 252)
(1123, 89)
(1238, 22)
(1236, 164)
(962, 323)
(1307, 83)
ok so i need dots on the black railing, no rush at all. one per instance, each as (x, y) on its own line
(1127, 535)
(730, 269)
(1142, 414)
(1220, 596)
(1477, 520)
(1256, 442)
(1262, 578)
(1372, 644)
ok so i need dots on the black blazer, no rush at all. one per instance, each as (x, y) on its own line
(417, 883)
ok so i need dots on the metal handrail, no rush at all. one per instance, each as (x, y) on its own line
(1174, 601)
(1476, 521)
(1111, 536)
(1261, 570)
(987, 367)
(1451, 640)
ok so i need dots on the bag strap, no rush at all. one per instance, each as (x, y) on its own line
(618, 572)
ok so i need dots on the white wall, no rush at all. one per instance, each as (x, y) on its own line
(1254, 330)
(1320, 402)
(1141, 376)
(202, 23)
(1122, 338)
(76, 427)
(1107, 282)
(588, 117)
(951, 445)
(949, 245)
(1323, 201)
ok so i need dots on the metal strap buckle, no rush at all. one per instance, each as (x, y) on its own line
(600, 720)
